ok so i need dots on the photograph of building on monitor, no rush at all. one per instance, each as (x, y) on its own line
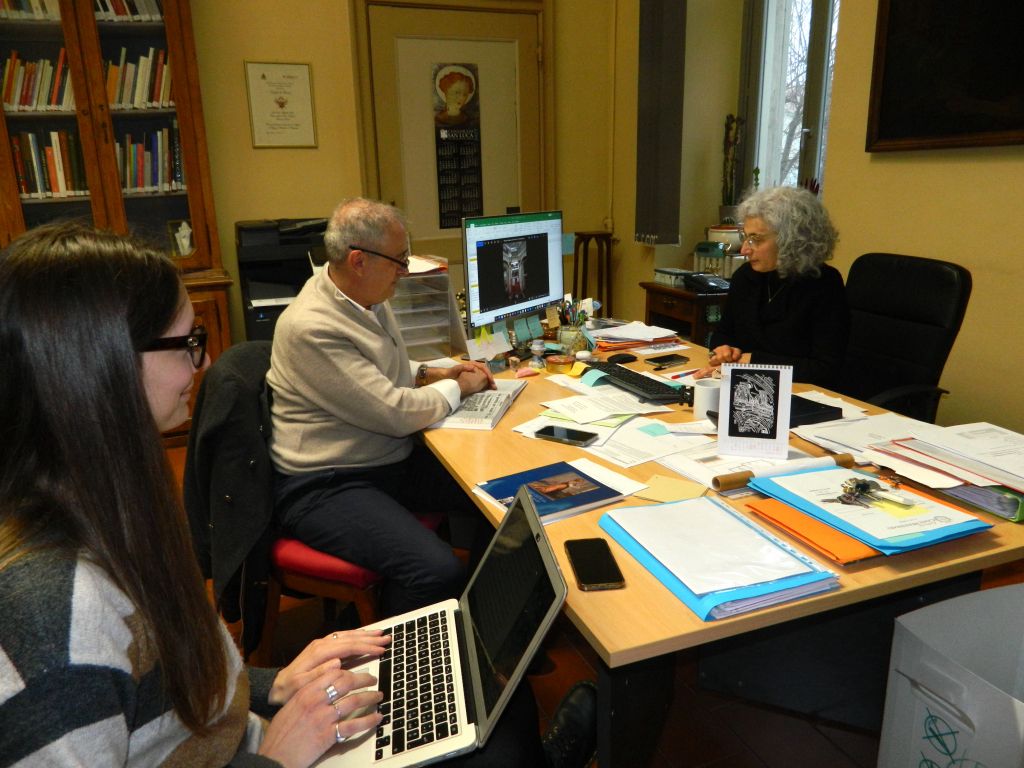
(512, 270)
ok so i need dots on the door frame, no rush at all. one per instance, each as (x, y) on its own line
(541, 9)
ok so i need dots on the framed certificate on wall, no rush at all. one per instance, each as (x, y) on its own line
(280, 104)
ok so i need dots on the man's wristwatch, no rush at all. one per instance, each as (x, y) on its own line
(421, 375)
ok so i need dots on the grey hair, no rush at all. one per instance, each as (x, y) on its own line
(359, 221)
(803, 230)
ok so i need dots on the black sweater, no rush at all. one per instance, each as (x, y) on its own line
(801, 321)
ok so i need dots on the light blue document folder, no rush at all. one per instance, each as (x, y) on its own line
(892, 546)
(725, 602)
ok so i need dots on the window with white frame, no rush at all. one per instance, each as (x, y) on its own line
(789, 55)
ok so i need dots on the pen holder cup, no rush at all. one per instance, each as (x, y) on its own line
(571, 339)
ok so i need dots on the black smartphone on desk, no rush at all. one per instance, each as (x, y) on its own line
(565, 435)
(593, 564)
(670, 359)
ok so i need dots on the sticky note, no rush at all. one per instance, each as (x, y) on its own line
(522, 330)
(536, 329)
(667, 488)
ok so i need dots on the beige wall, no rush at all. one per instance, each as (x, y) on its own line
(963, 205)
(275, 183)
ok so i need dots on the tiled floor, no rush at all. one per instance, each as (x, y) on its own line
(703, 729)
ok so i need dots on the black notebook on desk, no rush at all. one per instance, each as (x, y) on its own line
(803, 411)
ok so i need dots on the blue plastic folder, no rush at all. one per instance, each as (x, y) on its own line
(724, 602)
(889, 546)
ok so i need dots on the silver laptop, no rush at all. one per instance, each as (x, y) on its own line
(483, 643)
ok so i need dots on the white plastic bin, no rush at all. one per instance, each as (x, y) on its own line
(956, 684)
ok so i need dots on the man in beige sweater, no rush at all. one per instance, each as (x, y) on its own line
(347, 404)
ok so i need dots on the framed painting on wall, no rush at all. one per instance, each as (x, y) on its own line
(946, 74)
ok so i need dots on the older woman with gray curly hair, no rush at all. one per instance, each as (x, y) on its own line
(786, 306)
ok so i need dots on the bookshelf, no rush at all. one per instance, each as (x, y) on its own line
(102, 121)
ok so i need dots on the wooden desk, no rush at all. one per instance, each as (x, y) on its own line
(699, 312)
(636, 630)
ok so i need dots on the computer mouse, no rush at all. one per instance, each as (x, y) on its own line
(621, 357)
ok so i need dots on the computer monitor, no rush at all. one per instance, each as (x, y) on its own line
(513, 265)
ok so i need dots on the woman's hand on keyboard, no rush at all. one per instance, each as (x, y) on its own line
(326, 654)
(322, 713)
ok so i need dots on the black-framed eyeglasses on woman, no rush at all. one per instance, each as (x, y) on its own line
(195, 343)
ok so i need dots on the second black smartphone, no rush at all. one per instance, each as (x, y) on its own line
(593, 564)
(566, 435)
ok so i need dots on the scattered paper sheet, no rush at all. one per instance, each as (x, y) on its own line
(635, 331)
(585, 409)
(656, 349)
(633, 444)
(703, 463)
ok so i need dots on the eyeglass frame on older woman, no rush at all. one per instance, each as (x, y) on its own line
(194, 343)
(755, 239)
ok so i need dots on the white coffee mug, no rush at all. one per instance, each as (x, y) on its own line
(706, 393)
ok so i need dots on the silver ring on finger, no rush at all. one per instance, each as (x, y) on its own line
(332, 694)
(338, 738)
(334, 636)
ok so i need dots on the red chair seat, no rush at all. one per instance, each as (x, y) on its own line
(294, 556)
(299, 567)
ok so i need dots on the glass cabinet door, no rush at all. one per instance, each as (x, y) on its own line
(44, 144)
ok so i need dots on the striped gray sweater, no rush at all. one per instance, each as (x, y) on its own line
(80, 684)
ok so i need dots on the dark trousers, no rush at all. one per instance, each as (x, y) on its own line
(368, 517)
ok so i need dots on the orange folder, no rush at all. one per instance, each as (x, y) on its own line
(834, 544)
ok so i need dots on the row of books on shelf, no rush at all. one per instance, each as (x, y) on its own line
(152, 162)
(48, 164)
(141, 84)
(37, 86)
(105, 10)
(128, 10)
(38, 10)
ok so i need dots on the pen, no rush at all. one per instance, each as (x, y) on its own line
(683, 374)
(669, 365)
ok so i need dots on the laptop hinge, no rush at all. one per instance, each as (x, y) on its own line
(467, 679)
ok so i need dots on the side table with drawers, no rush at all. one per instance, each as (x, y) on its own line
(692, 315)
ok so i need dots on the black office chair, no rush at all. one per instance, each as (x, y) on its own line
(905, 313)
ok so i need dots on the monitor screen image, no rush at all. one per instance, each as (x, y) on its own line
(513, 265)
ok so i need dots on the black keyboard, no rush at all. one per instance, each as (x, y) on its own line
(415, 676)
(634, 382)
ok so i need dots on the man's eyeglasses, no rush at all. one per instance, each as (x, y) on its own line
(754, 240)
(403, 263)
(195, 343)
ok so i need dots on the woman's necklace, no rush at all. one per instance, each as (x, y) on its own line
(772, 294)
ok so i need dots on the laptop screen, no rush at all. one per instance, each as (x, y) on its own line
(512, 594)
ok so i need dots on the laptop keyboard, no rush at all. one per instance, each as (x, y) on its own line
(415, 675)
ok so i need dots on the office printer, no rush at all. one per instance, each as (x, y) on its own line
(274, 257)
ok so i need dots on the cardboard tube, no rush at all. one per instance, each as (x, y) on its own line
(734, 480)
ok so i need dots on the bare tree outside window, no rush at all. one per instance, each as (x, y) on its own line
(793, 78)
